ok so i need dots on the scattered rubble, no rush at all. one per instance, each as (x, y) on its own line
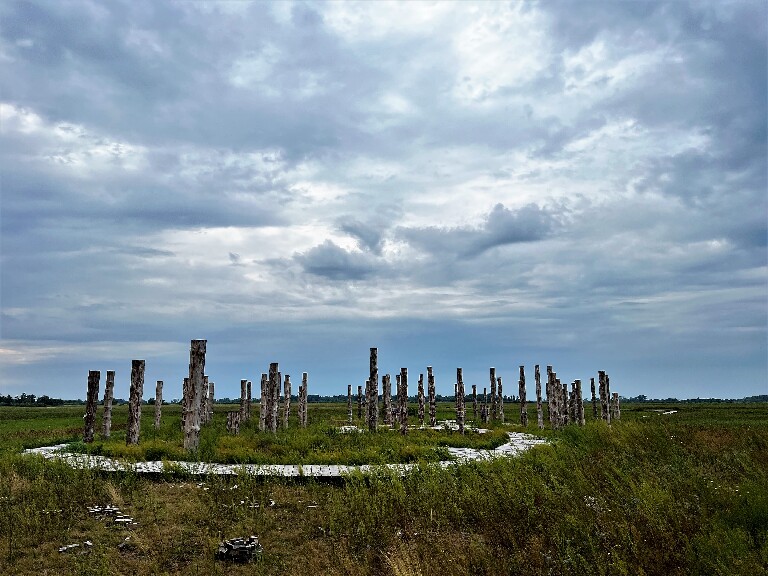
(85, 547)
(239, 549)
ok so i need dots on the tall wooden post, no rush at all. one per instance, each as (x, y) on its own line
(134, 402)
(485, 405)
(523, 398)
(594, 398)
(572, 404)
(373, 391)
(359, 402)
(305, 395)
(563, 402)
(616, 407)
(608, 396)
(550, 396)
(274, 394)
(431, 394)
(243, 398)
(263, 403)
(209, 404)
(460, 413)
(349, 403)
(403, 400)
(287, 401)
(203, 407)
(109, 393)
(192, 416)
(604, 413)
(579, 404)
(474, 403)
(493, 393)
(248, 399)
(420, 398)
(539, 413)
(158, 402)
(386, 392)
(499, 400)
(91, 400)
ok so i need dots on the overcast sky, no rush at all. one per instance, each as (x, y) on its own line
(581, 184)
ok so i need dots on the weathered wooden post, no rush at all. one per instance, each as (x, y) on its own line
(500, 400)
(460, 413)
(563, 402)
(403, 400)
(539, 412)
(550, 395)
(555, 403)
(158, 402)
(523, 398)
(109, 394)
(184, 403)
(359, 402)
(349, 403)
(134, 402)
(493, 394)
(484, 411)
(243, 399)
(248, 399)
(195, 387)
(579, 404)
(572, 404)
(286, 401)
(373, 391)
(91, 400)
(608, 396)
(305, 396)
(203, 408)
(604, 413)
(420, 398)
(386, 393)
(273, 395)
(263, 403)
(209, 404)
(474, 403)
(431, 394)
(233, 422)
(594, 399)
(616, 407)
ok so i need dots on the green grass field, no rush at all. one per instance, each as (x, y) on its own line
(685, 493)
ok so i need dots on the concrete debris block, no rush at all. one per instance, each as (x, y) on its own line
(239, 549)
(85, 547)
(113, 513)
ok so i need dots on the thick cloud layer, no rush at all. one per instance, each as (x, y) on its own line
(459, 184)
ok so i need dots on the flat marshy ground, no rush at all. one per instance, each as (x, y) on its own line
(683, 493)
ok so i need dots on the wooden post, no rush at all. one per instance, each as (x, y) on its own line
(263, 403)
(485, 405)
(474, 403)
(305, 396)
(373, 391)
(184, 404)
(204, 401)
(359, 402)
(243, 398)
(555, 405)
(563, 402)
(572, 404)
(608, 396)
(431, 394)
(594, 399)
(134, 402)
(158, 402)
(248, 399)
(493, 394)
(604, 413)
(579, 404)
(523, 398)
(550, 395)
(196, 371)
(233, 422)
(539, 413)
(349, 403)
(404, 401)
(420, 393)
(500, 400)
(109, 393)
(616, 407)
(274, 393)
(386, 392)
(287, 401)
(460, 413)
(92, 399)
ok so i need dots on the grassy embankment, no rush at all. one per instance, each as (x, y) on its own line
(680, 494)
